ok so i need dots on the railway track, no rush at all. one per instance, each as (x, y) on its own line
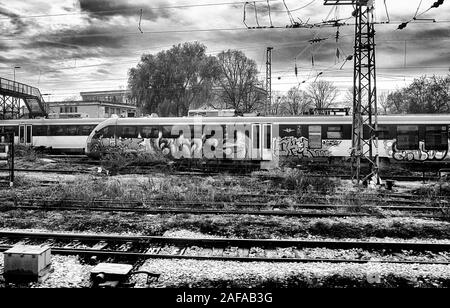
(217, 208)
(162, 168)
(243, 250)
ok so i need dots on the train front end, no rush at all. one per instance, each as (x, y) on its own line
(103, 132)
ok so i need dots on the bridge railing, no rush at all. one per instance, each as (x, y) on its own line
(17, 87)
(23, 89)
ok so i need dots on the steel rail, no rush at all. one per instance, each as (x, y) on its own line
(140, 255)
(202, 211)
(144, 171)
(225, 242)
(85, 204)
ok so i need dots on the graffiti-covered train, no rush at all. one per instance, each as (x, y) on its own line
(264, 141)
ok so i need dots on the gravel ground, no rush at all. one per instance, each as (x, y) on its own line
(191, 273)
(68, 272)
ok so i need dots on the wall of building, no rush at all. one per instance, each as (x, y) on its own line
(92, 109)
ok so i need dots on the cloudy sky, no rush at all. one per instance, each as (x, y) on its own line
(67, 46)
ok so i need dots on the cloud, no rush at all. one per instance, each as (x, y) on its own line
(106, 9)
(103, 71)
(19, 25)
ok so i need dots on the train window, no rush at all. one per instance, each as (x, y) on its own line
(149, 132)
(384, 132)
(315, 137)
(407, 137)
(436, 137)
(256, 136)
(29, 133)
(268, 136)
(71, 130)
(127, 132)
(57, 130)
(40, 130)
(334, 132)
(105, 132)
(85, 130)
(8, 129)
(290, 130)
(167, 132)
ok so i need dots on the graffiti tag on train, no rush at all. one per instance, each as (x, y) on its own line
(298, 147)
(416, 155)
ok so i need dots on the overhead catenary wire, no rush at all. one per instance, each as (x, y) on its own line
(270, 14)
(290, 11)
(132, 9)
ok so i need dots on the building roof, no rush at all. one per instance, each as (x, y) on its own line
(112, 92)
(87, 103)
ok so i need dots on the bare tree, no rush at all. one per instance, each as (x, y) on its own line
(238, 81)
(322, 94)
(383, 103)
(277, 102)
(296, 102)
(423, 95)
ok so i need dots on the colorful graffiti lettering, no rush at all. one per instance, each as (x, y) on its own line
(415, 155)
(293, 146)
(178, 148)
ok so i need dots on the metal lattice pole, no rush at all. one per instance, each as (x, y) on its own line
(365, 121)
(364, 143)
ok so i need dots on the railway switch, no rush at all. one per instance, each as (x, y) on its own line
(27, 263)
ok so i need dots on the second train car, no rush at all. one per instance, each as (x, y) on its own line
(265, 140)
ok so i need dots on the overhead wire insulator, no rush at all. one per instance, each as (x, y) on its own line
(402, 26)
(437, 3)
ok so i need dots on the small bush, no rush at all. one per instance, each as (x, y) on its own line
(116, 159)
(297, 180)
(26, 152)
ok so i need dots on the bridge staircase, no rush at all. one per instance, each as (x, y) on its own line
(12, 93)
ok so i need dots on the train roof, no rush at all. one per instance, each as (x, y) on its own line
(70, 121)
(384, 119)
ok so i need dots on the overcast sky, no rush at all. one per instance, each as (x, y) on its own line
(67, 46)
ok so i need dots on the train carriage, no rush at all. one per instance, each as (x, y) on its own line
(61, 135)
(265, 140)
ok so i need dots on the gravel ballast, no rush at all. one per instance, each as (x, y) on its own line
(191, 273)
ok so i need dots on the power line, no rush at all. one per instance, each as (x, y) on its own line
(21, 38)
(134, 9)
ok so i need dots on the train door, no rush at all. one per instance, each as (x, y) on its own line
(267, 142)
(25, 134)
(256, 142)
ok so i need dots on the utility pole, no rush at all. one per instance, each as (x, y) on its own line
(365, 121)
(268, 80)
